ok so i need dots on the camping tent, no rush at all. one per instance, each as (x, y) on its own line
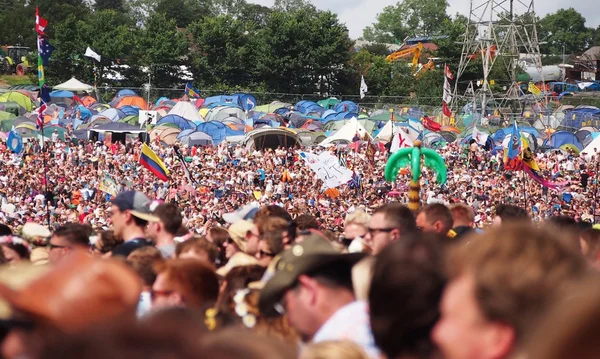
(347, 133)
(14, 96)
(73, 85)
(186, 110)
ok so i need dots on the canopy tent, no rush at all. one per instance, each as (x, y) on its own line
(271, 138)
(347, 134)
(73, 85)
(186, 110)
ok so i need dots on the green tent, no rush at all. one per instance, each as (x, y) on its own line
(6, 115)
(328, 103)
(131, 119)
(14, 96)
(48, 130)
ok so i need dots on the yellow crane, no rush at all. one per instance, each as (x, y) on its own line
(415, 50)
(430, 65)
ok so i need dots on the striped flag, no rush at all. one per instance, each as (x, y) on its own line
(40, 117)
(153, 163)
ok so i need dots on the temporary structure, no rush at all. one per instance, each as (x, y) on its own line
(73, 85)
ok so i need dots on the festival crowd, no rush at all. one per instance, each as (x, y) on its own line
(244, 254)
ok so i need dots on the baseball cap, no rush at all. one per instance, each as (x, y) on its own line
(137, 203)
(309, 256)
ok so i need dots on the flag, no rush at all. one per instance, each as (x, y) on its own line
(41, 76)
(191, 92)
(370, 153)
(446, 110)
(355, 181)
(527, 155)
(447, 96)
(153, 163)
(480, 137)
(45, 50)
(250, 104)
(40, 22)
(14, 142)
(400, 140)
(45, 93)
(77, 99)
(40, 117)
(431, 125)
(363, 87)
(92, 54)
(448, 73)
(514, 144)
(534, 89)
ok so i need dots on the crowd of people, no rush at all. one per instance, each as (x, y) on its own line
(243, 254)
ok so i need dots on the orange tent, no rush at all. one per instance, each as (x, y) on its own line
(132, 101)
(88, 101)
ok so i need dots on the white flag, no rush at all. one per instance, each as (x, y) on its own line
(400, 140)
(90, 53)
(447, 97)
(480, 137)
(363, 87)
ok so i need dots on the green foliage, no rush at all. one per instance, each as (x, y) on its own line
(116, 5)
(406, 19)
(565, 30)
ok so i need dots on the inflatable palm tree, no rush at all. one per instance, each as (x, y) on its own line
(412, 156)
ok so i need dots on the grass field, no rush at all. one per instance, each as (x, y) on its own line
(10, 80)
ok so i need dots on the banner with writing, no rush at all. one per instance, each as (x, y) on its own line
(328, 168)
(108, 185)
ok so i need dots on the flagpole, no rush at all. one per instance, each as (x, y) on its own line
(42, 80)
(524, 182)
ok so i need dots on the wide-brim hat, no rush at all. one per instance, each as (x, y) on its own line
(310, 255)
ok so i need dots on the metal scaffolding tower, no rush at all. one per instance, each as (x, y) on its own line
(503, 34)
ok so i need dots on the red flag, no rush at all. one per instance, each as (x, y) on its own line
(40, 22)
(431, 125)
(40, 116)
(446, 110)
(448, 73)
(77, 99)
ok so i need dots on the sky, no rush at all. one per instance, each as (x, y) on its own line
(358, 14)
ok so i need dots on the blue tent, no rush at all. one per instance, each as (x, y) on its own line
(126, 92)
(304, 105)
(130, 110)
(346, 106)
(185, 133)
(222, 100)
(560, 138)
(179, 121)
(216, 130)
(61, 93)
(246, 101)
(581, 117)
(113, 114)
(160, 100)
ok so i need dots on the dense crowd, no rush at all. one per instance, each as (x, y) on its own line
(243, 254)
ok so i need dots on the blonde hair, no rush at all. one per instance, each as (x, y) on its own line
(359, 217)
(362, 274)
(333, 349)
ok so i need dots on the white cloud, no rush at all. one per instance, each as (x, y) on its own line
(358, 14)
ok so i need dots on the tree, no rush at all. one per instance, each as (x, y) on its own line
(564, 31)
(116, 5)
(302, 51)
(162, 50)
(292, 5)
(224, 54)
(17, 24)
(407, 18)
(453, 30)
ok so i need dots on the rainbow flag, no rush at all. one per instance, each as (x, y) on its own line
(153, 163)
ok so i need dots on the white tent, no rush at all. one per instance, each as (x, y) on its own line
(347, 133)
(186, 110)
(588, 151)
(73, 85)
(385, 134)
